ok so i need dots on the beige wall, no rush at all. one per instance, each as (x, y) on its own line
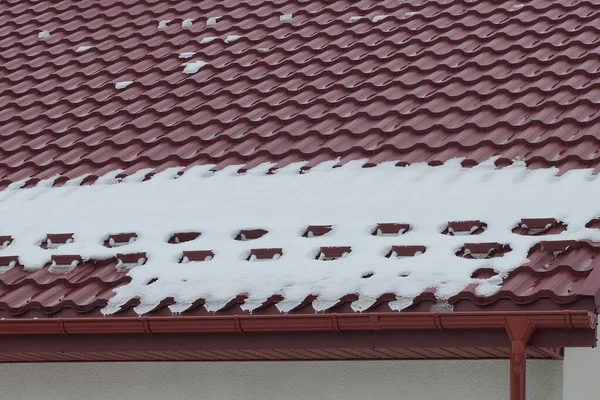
(582, 374)
(398, 380)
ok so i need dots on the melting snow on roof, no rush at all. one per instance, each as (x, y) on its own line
(193, 67)
(349, 200)
(213, 20)
(231, 38)
(188, 54)
(207, 39)
(123, 84)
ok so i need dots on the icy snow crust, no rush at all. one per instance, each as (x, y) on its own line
(351, 198)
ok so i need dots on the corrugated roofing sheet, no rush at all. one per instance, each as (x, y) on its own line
(89, 87)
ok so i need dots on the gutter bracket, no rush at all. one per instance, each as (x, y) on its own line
(519, 331)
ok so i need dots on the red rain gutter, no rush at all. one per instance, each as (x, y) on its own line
(391, 321)
(518, 325)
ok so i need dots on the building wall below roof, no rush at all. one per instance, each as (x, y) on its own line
(582, 374)
(414, 380)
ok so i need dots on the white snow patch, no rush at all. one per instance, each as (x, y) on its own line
(411, 14)
(351, 198)
(123, 84)
(193, 67)
(43, 34)
(208, 39)
(517, 7)
(188, 54)
(231, 38)
(81, 49)
(212, 20)
(163, 24)
(285, 17)
(378, 18)
(187, 22)
(355, 18)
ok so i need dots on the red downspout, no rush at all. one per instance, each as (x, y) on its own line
(519, 330)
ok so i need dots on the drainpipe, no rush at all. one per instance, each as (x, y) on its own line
(519, 330)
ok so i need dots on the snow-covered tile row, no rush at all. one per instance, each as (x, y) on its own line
(304, 217)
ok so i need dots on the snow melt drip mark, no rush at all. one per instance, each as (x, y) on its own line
(278, 203)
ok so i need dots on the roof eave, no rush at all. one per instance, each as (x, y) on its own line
(387, 321)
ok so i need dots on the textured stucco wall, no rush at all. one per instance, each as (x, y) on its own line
(406, 380)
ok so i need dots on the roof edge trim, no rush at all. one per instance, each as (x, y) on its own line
(241, 324)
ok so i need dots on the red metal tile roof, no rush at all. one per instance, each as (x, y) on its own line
(431, 81)
(408, 81)
(549, 280)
